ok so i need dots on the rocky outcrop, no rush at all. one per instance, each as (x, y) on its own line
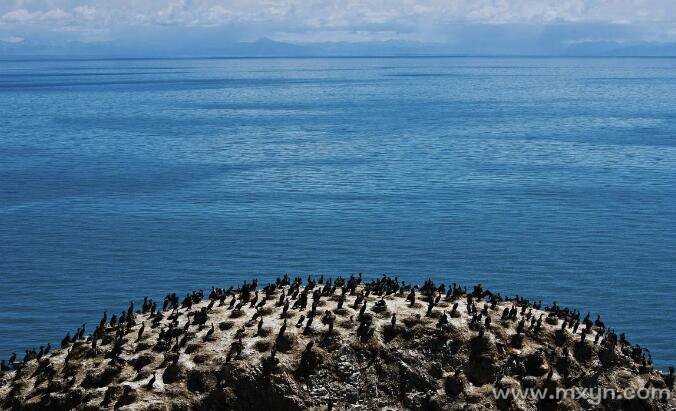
(334, 345)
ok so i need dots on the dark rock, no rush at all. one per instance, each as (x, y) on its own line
(455, 385)
(100, 378)
(483, 363)
(583, 351)
(142, 360)
(173, 373)
(201, 380)
(536, 364)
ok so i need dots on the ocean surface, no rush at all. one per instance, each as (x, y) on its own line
(551, 178)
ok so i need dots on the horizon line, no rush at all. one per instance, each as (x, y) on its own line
(65, 57)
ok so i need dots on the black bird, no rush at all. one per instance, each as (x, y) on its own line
(286, 307)
(430, 306)
(411, 297)
(598, 322)
(443, 320)
(520, 326)
(362, 310)
(210, 332)
(140, 331)
(109, 393)
(151, 382)
(282, 330)
(66, 340)
(300, 321)
(125, 398)
(260, 326)
(256, 315)
(183, 341)
(308, 324)
(394, 320)
(240, 332)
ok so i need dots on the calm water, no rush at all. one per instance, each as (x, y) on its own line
(550, 178)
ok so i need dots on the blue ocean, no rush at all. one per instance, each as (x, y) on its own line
(550, 178)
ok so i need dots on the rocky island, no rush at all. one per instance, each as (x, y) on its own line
(343, 343)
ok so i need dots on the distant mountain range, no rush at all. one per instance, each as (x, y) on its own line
(265, 47)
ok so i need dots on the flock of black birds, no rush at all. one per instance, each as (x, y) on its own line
(114, 331)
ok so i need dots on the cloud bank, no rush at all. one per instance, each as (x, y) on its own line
(535, 26)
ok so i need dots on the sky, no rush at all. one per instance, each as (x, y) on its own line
(519, 26)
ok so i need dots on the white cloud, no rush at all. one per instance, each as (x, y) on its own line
(322, 13)
(315, 19)
(17, 16)
(24, 16)
(12, 39)
(219, 13)
(85, 12)
(357, 36)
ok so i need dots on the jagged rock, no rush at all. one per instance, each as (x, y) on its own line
(415, 379)
(483, 363)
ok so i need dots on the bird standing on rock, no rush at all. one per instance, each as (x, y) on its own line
(282, 330)
(210, 332)
(411, 297)
(140, 331)
(362, 310)
(151, 382)
(308, 324)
